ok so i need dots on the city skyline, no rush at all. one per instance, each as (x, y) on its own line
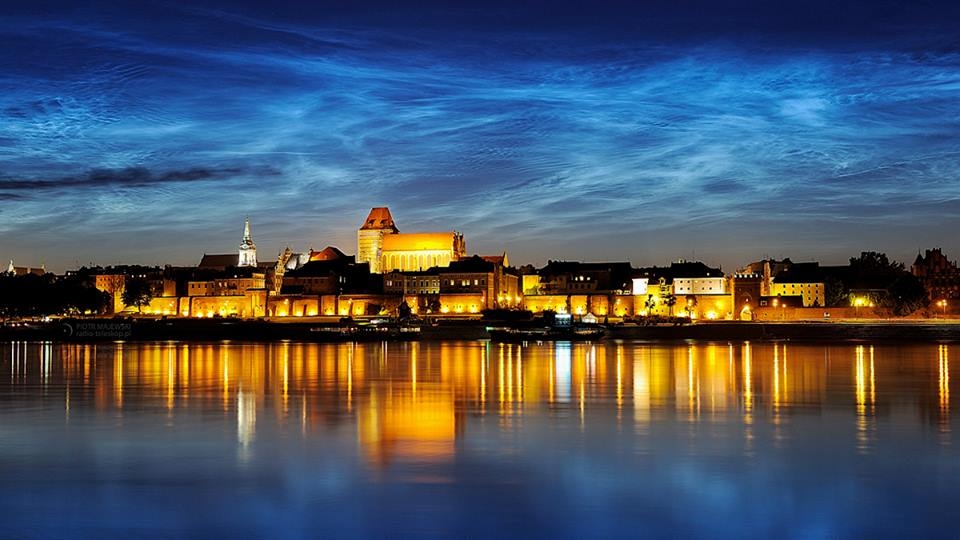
(630, 133)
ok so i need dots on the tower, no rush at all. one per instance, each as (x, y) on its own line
(379, 222)
(248, 250)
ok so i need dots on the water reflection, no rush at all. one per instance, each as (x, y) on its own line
(407, 398)
(428, 405)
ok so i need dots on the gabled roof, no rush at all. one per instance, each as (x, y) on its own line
(328, 253)
(219, 260)
(379, 218)
(500, 260)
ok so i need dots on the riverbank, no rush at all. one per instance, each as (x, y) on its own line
(146, 329)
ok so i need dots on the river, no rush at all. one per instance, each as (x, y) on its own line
(478, 439)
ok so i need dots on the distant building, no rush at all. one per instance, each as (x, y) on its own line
(574, 277)
(24, 270)
(420, 251)
(685, 288)
(938, 274)
(422, 283)
(579, 288)
(805, 281)
(246, 257)
(379, 222)
(248, 250)
(381, 244)
(496, 285)
(746, 293)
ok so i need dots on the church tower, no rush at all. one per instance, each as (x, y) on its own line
(248, 250)
(370, 237)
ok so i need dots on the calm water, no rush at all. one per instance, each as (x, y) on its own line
(472, 439)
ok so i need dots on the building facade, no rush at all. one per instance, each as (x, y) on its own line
(248, 250)
(378, 224)
(415, 252)
(938, 274)
(381, 244)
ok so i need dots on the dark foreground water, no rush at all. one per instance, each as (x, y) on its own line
(472, 439)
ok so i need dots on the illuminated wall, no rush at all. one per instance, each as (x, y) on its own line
(531, 284)
(162, 305)
(369, 242)
(420, 251)
(813, 294)
(251, 304)
(461, 303)
(601, 305)
(112, 284)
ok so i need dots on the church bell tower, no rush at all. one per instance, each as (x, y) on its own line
(248, 250)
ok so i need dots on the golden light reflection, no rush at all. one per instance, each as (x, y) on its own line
(865, 395)
(118, 376)
(943, 379)
(414, 400)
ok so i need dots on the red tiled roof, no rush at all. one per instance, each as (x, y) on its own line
(379, 218)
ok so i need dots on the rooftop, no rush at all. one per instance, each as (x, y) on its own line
(379, 218)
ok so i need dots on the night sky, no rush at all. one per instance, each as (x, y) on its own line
(144, 132)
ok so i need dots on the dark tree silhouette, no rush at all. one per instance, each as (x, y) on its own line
(137, 293)
(670, 300)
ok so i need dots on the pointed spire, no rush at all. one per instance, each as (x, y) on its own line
(248, 250)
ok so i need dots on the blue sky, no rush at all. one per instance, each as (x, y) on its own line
(146, 131)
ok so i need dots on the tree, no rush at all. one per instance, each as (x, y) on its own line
(650, 304)
(874, 262)
(907, 295)
(137, 292)
(670, 300)
(691, 305)
(835, 292)
(404, 311)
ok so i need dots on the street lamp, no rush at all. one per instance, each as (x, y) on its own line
(857, 303)
(943, 306)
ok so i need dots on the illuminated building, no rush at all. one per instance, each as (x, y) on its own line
(601, 289)
(412, 283)
(694, 289)
(802, 280)
(247, 256)
(380, 243)
(420, 251)
(331, 275)
(572, 277)
(24, 270)
(379, 223)
(746, 292)
(112, 284)
(786, 278)
(477, 283)
(465, 286)
(248, 250)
